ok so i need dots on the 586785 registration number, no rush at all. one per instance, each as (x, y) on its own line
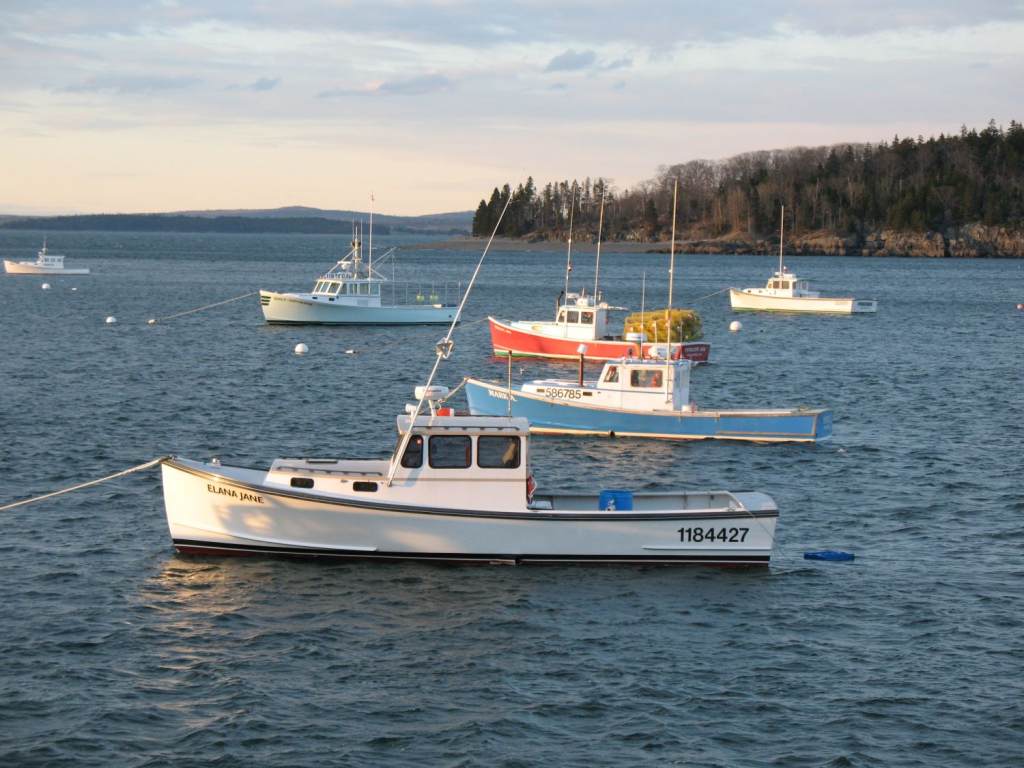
(728, 535)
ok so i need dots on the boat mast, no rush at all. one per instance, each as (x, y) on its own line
(671, 266)
(600, 229)
(443, 350)
(568, 254)
(369, 263)
(782, 231)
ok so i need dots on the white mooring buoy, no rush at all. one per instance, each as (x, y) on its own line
(350, 351)
(301, 349)
(735, 326)
(74, 289)
(110, 320)
(151, 321)
(45, 286)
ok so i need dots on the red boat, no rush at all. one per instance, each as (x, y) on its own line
(581, 321)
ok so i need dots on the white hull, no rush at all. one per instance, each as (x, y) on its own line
(230, 510)
(301, 309)
(745, 300)
(31, 268)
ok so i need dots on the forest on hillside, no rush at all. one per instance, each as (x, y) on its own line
(911, 185)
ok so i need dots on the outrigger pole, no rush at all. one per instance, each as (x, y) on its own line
(443, 349)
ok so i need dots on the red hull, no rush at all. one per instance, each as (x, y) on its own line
(508, 340)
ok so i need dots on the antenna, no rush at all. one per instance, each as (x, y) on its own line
(600, 228)
(443, 349)
(671, 268)
(782, 231)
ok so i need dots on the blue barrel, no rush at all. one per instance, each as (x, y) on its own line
(620, 500)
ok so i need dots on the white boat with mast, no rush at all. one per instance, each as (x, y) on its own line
(785, 292)
(46, 263)
(456, 488)
(352, 293)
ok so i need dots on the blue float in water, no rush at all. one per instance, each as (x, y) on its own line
(829, 554)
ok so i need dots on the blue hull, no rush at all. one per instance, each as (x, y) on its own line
(558, 417)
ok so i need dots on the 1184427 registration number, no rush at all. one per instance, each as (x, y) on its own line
(727, 535)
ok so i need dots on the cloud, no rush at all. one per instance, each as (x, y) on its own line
(571, 60)
(410, 86)
(623, 63)
(414, 86)
(132, 84)
(263, 84)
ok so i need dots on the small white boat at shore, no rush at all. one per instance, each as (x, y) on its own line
(46, 263)
(785, 292)
(350, 293)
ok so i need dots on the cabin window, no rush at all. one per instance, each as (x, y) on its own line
(573, 316)
(612, 374)
(364, 485)
(413, 456)
(642, 378)
(587, 318)
(498, 452)
(451, 451)
(316, 288)
(302, 482)
(561, 316)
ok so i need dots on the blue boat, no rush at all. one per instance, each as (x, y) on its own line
(640, 398)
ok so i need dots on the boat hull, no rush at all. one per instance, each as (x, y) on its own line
(228, 511)
(285, 308)
(746, 301)
(507, 339)
(567, 415)
(31, 268)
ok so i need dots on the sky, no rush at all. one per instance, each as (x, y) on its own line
(130, 106)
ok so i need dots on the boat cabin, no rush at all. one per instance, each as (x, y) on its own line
(50, 260)
(580, 317)
(786, 284)
(630, 383)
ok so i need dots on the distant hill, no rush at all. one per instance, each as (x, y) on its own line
(292, 219)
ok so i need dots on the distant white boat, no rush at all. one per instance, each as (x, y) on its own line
(45, 264)
(785, 292)
(350, 294)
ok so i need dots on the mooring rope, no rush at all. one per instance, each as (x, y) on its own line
(200, 309)
(710, 295)
(122, 473)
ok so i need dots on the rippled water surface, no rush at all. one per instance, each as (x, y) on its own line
(116, 651)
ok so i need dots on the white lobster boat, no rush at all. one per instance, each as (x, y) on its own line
(785, 292)
(456, 488)
(46, 263)
(462, 492)
(350, 293)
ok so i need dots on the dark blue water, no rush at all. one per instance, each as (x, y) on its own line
(116, 651)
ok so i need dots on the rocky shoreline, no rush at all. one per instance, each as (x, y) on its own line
(973, 241)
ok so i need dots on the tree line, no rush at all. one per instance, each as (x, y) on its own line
(847, 189)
